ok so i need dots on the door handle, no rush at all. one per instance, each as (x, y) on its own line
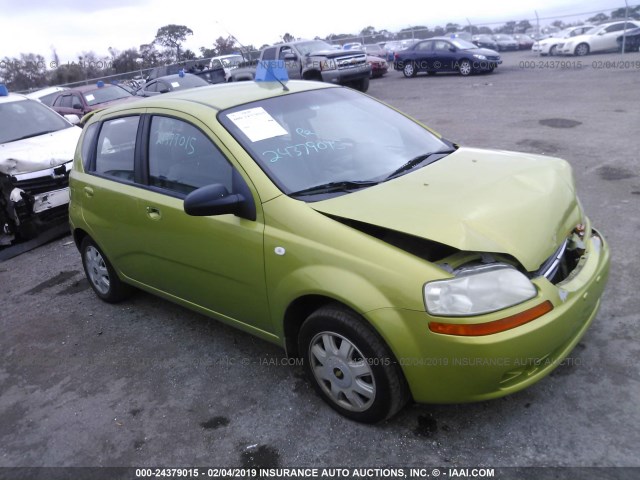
(153, 213)
(88, 191)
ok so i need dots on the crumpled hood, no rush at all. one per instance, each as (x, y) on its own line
(519, 204)
(38, 153)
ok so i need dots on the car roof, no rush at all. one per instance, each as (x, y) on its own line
(175, 76)
(45, 91)
(222, 95)
(90, 88)
(12, 97)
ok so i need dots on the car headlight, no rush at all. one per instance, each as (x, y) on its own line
(480, 57)
(328, 65)
(478, 290)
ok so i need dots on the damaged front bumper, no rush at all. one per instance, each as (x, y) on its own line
(32, 202)
(455, 369)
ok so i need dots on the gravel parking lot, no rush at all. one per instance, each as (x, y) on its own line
(148, 383)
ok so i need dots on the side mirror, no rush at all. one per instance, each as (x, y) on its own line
(73, 118)
(212, 200)
(290, 56)
(163, 89)
(452, 49)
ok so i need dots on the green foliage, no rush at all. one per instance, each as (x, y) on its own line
(29, 71)
(171, 36)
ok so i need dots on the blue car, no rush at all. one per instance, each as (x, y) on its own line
(442, 54)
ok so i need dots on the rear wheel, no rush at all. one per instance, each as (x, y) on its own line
(350, 366)
(582, 50)
(101, 275)
(409, 70)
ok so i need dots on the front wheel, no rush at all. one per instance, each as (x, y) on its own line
(101, 275)
(465, 68)
(553, 50)
(362, 84)
(582, 50)
(409, 70)
(350, 366)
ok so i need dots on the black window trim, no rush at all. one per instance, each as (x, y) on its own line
(94, 151)
(141, 161)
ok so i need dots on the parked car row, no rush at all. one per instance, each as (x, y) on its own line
(585, 39)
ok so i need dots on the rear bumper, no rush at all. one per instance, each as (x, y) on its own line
(452, 369)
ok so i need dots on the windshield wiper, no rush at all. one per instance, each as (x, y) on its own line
(343, 186)
(414, 162)
(44, 132)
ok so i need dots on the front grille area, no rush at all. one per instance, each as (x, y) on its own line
(350, 61)
(51, 179)
(493, 57)
(564, 260)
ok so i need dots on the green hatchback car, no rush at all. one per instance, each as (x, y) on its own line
(398, 265)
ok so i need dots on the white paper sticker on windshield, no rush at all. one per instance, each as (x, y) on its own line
(89, 98)
(257, 124)
(175, 84)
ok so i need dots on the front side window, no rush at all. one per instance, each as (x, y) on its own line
(116, 148)
(182, 158)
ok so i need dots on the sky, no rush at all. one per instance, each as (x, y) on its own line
(72, 27)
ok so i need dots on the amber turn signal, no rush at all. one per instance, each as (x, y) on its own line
(489, 328)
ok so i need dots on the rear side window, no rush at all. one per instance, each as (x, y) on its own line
(182, 158)
(116, 147)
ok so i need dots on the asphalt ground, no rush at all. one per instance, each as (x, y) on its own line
(148, 383)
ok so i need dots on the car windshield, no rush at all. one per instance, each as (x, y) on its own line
(188, 81)
(503, 37)
(28, 118)
(108, 93)
(462, 44)
(308, 139)
(307, 48)
(231, 62)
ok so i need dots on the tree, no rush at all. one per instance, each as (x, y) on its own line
(24, 73)
(150, 55)
(189, 55)
(172, 36)
(451, 27)
(599, 18)
(523, 26)
(126, 61)
(620, 13)
(559, 23)
(287, 37)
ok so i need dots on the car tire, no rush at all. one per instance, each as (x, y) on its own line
(362, 85)
(553, 50)
(581, 50)
(409, 70)
(465, 68)
(101, 275)
(350, 366)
